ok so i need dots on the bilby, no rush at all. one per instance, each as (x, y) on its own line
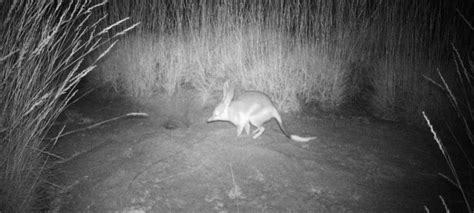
(251, 107)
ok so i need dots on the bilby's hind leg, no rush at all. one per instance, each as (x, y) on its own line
(258, 122)
(258, 132)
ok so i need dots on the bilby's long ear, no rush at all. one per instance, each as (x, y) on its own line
(228, 93)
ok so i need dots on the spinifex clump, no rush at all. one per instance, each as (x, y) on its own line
(43, 46)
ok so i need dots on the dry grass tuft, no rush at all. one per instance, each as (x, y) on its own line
(323, 52)
(43, 47)
(460, 165)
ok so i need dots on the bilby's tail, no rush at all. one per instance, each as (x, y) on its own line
(301, 139)
(292, 137)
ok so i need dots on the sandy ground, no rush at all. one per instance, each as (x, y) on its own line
(180, 163)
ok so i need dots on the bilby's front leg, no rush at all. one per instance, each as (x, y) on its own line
(240, 128)
(247, 128)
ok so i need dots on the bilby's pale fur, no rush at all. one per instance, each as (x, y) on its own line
(251, 107)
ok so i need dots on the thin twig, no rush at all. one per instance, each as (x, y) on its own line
(456, 180)
(47, 153)
(140, 114)
(57, 137)
(465, 20)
